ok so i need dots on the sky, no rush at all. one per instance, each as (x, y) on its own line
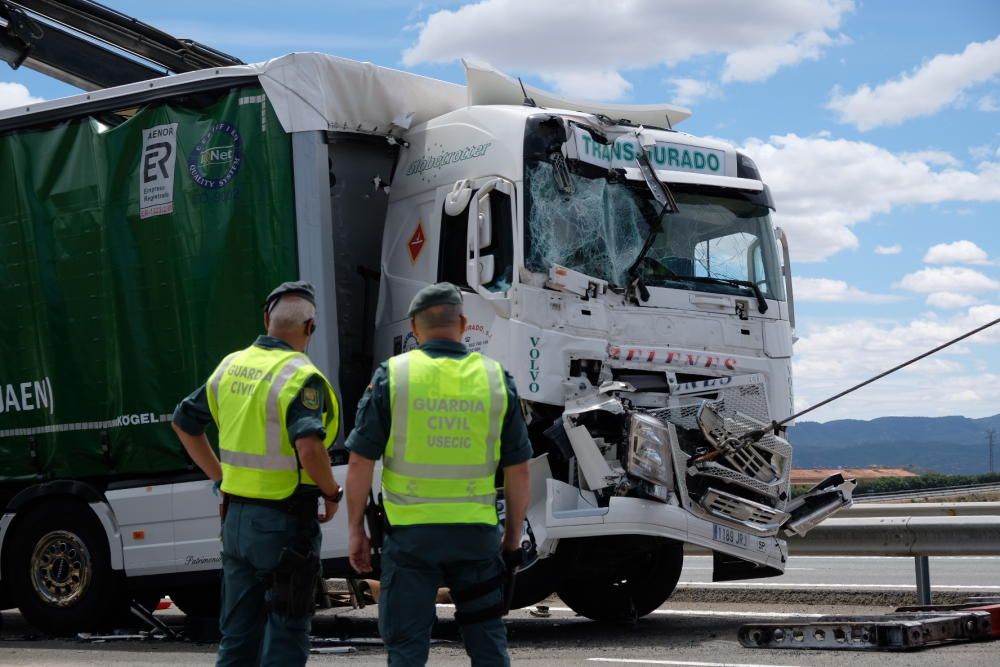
(875, 123)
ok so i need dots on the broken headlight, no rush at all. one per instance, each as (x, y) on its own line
(649, 456)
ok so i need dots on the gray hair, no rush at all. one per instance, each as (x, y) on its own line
(442, 316)
(291, 312)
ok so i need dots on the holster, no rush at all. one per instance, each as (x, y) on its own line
(512, 561)
(293, 583)
(378, 524)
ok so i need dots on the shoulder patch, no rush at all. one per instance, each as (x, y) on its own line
(310, 398)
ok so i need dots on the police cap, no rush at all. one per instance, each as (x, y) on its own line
(295, 288)
(438, 294)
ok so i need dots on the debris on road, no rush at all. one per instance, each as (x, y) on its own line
(897, 631)
(540, 611)
(991, 605)
(333, 650)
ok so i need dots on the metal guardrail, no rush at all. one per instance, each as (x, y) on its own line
(916, 536)
(905, 530)
(902, 536)
(925, 493)
(918, 509)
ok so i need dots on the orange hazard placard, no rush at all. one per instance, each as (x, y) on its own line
(416, 242)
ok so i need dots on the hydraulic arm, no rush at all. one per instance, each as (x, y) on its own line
(88, 45)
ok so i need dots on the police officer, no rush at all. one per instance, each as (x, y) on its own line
(442, 420)
(276, 414)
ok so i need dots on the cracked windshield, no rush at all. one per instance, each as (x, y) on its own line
(599, 227)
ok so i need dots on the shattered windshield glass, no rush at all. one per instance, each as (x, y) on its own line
(599, 228)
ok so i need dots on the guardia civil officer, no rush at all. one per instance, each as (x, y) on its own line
(276, 414)
(442, 420)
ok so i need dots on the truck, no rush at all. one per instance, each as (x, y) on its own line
(625, 273)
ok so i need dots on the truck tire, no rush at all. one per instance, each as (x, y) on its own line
(60, 570)
(198, 601)
(632, 589)
(534, 584)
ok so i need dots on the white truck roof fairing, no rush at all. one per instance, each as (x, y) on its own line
(487, 85)
(311, 91)
(314, 91)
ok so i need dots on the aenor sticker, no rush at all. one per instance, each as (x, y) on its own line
(156, 170)
(310, 398)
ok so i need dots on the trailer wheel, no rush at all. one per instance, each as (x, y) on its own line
(623, 590)
(60, 570)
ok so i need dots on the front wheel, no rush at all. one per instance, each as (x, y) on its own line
(619, 579)
(61, 570)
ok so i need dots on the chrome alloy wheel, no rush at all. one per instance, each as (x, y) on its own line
(60, 568)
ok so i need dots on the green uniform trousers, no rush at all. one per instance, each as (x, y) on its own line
(418, 559)
(252, 539)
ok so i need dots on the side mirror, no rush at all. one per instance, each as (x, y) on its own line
(486, 269)
(786, 269)
(480, 269)
(456, 200)
(484, 219)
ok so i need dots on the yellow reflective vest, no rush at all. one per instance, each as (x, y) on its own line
(249, 394)
(444, 440)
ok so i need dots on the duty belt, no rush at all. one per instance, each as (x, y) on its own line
(301, 503)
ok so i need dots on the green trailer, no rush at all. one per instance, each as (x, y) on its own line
(135, 250)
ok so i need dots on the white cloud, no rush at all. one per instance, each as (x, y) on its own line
(987, 103)
(938, 158)
(826, 290)
(822, 187)
(761, 62)
(15, 95)
(959, 252)
(595, 36)
(928, 89)
(982, 152)
(888, 249)
(689, 91)
(589, 84)
(950, 300)
(956, 279)
(832, 357)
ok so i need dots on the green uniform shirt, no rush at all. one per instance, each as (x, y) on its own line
(374, 421)
(192, 414)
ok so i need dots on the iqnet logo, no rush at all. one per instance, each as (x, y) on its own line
(215, 160)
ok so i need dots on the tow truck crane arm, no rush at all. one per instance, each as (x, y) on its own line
(90, 46)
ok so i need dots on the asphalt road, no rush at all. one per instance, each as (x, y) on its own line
(678, 634)
(685, 631)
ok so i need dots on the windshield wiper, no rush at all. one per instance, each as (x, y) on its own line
(710, 280)
(661, 193)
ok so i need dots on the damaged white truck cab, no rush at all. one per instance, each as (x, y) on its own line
(643, 344)
(626, 275)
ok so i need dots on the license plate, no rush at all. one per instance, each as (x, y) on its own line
(730, 536)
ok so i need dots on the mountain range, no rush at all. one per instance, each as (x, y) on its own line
(949, 445)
